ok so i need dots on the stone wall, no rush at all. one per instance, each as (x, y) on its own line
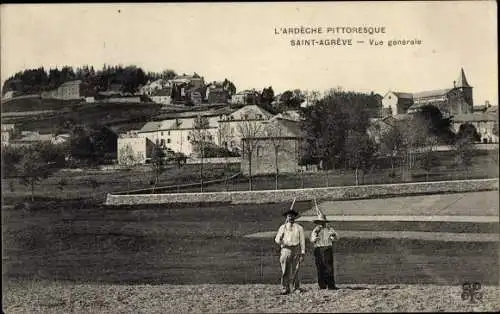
(214, 160)
(333, 193)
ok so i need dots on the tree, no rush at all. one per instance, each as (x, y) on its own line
(327, 123)
(311, 96)
(250, 131)
(127, 157)
(11, 156)
(224, 136)
(229, 87)
(52, 154)
(80, 144)
(275, 133)
(429, 159)
(435, 123)
(391, 145)
(266, 98)
(359, 152)
(200, 138)
(158, 164)
(464, 151)
(32, 169)
(292, 99)
(168, 74)
(467, 130)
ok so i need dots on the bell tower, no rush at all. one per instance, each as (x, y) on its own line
(466, 92)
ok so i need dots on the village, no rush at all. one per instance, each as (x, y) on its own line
(212, 114)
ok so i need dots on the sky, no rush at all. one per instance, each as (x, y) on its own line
(238, 41)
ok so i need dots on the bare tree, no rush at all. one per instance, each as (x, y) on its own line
(250, 131)
(224, 136)
(359, 151)
(200, 137)
(275, 133)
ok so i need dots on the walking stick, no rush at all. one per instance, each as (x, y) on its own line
(296, 271)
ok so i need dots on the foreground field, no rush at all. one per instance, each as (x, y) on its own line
(209, 245)
(50, 297)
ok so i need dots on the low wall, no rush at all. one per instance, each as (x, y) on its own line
(215, 160)
(333, 193)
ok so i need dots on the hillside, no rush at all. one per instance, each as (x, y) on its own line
(35, 103)
(51, 115)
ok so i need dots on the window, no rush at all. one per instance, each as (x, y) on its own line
(389, 97)
(188, 138)
(168, 140)
(168, 133)
(245, 116)
(259, 116)
(161, 133)
(259, 151)
(162, 142)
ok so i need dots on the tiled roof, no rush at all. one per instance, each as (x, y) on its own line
(151, 126)
(474, 117)
(431, 93)
(293, 127)
(72, 82)
(35, 137)
(403, 95)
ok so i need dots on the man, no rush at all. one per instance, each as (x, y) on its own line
(291, 238)
(323, 237)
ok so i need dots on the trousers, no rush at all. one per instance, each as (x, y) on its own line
(324, 264)
(289, 259)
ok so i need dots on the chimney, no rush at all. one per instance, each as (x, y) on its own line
(454, 84)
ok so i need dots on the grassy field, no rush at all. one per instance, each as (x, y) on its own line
(485, 165)
(195, 245)
(79, 183)
(75, 256)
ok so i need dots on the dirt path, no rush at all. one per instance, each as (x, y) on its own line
(52, 297)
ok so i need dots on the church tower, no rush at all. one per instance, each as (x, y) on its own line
(466, 92)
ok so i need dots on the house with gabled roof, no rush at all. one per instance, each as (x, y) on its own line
(278, 145)
(396, 103)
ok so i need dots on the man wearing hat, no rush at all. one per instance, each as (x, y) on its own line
(323, 237)
(291, 238)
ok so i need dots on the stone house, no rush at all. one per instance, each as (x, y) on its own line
(175, 131)
(72, 90)
(279, 144)
(395, 103)
(486, 124)
(234, 126)
(133, 150)
(162, 96)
